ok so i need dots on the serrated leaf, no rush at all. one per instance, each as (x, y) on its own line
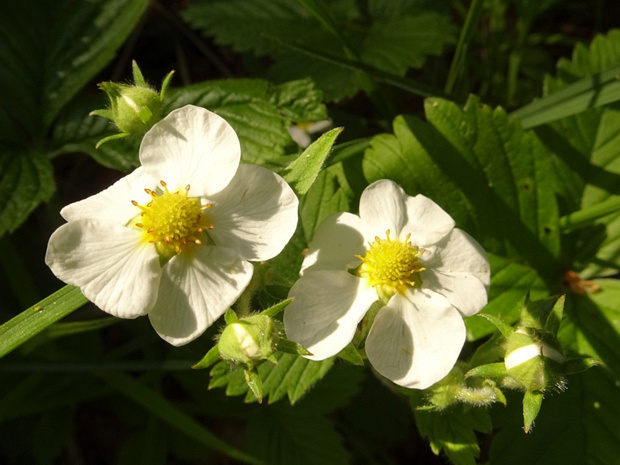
(284, 435)
(300, 100)
(329, 194)
(489, 174)
(391, 42)
(587, 158)
(303, 171)
(47, 59)
(26, 179)
(77, 132)
(453, 431)
(292, 376)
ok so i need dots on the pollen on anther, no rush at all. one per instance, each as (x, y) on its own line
(134, 203)
(211, 226)
(140, 225)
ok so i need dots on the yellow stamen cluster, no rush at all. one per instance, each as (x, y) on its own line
(172, 220)
(391, 266)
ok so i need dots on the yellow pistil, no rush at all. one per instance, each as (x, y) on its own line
(391, 266)
(171, 220)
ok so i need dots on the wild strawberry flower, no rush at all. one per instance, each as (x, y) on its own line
(174, 238)
(406, 253)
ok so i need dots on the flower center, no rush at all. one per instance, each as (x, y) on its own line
(391, 266)
(172, 220)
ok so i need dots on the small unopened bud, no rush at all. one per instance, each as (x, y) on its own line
(248, 341)
(534, 359)
(133, 108)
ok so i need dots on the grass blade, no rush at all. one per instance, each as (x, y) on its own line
(35, 319)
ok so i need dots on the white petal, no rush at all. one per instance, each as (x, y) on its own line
(299, 136)
(114, 203)
(426, 221)
(256, 214)
(195, 290)
(383, 207)
(326, 309)
(458, 268)
(335, 244)
(463, 290)
(109, 265)
(191, 146)
(416, 340)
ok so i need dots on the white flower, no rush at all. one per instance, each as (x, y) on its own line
(405, 252)
(173, 238)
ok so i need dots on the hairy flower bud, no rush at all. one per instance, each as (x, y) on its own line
(133, 108)
(249, 340)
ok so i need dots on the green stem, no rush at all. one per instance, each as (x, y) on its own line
(35, 319)
(470, 26)
(589, 215)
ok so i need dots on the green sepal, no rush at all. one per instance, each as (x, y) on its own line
(230, 316)
(543, 314)
(209, 359)
(500, 324)
(290, 347)
(165, 84)
(277, 308)
(490, 370)
(577, 365)
(120, 135)
(254, 382)
(138, 78)
(105, 113)
(532, 401)
(351, 355)
(555, 316)
(145, 114)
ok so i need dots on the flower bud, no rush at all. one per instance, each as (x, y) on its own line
(534, 359)
(248, 341)
(133, 108)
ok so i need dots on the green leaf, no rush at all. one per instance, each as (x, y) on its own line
(156, 404)
(209, 359)
(453, 431)
(291, 376)
(391, 42)
(330, 193)
(587, 159)
(18, 330)
(580, 425)
(302, 173)
(351, 355)
(284, 435)
(484, 170)
(300, 101)
(46, 59)
(590, 92)
(26, 179)
(592, 328)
